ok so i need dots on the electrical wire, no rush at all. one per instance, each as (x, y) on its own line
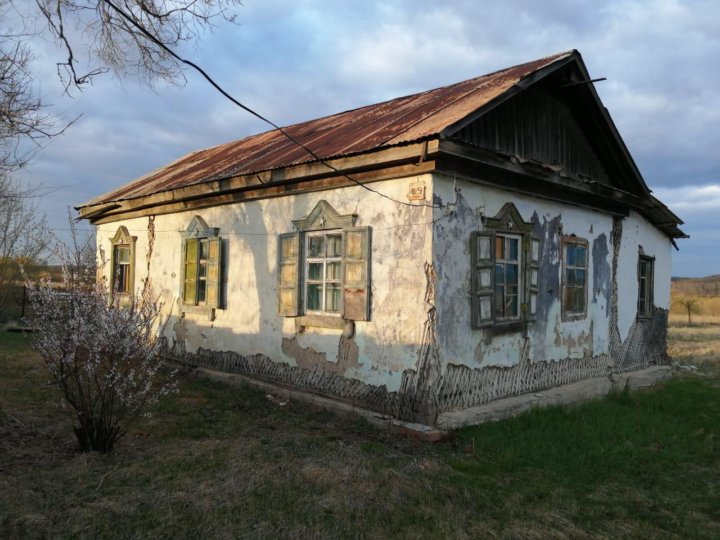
(281, 130)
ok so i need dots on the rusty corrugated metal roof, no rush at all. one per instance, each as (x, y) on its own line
(395, 122)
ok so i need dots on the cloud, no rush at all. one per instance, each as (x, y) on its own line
(294, 61)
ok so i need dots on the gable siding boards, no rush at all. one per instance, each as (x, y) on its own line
(536, 125)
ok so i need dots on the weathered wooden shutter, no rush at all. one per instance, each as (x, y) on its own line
(482, 274)
(288, 274)
(532, 275)
(212, 296)
(356, 274)
(190, 271)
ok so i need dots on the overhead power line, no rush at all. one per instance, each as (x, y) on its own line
(284, 132)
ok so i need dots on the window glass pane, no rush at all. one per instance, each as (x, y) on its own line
(499, 274)
(511, 274)
(499, 247)
(332, 297)
(580, 277)
(568, 299)
(201, 291)
(513, 249)
(315, 271)
(203, 249)
(334, 245)
(499, 302)
(121, 278)
(580, 256)
(333, 271)
(122, 254)
(511, 309)
(314, 296)
(202, 270)
(570, 255)
(579, 300)
(316, 246)
(570, 277)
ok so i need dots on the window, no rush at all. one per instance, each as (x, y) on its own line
(574, 281)
(645, 285)
(324, 268)
(201, 256)
(123, 262)
(507, 276)
(505, 260)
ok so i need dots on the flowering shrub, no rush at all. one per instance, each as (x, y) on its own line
(101, 353)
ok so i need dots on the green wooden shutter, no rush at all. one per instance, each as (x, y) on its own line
(190, 271)
(356, 273)
(289, 274)
(532, 276)
(214, 260)
(482, 274)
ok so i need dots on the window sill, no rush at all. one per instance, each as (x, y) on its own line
(319, 321)
(573, 317)
(506, 327)
(198, 310)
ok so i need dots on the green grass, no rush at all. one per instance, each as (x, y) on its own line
(216, 461)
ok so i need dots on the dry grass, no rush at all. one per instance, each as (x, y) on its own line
(223, 462)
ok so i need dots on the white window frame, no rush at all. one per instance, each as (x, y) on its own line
(324, 281)
(501, 317)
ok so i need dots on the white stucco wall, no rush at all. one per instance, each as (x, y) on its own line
(250, 324)
(636, 232)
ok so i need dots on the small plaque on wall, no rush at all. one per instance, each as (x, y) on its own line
(416, 192)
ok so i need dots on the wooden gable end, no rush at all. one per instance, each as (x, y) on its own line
(539, 125)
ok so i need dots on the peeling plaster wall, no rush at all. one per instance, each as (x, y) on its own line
(479, 365)
(550, 338)
(418, 355)
(249, 325)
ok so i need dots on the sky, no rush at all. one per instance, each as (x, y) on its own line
(293, 61)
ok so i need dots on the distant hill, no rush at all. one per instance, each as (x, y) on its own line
(704, 286)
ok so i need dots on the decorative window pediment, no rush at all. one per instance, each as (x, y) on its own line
(324, 216)
(508, 219)
(198, 227)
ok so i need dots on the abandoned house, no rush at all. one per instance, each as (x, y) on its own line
(432, 254)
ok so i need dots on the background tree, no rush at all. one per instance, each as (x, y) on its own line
(691, 304)
(23, 235)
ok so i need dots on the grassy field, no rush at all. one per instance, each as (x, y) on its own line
(223, 462)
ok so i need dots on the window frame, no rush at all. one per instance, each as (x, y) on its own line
(294, 264)
(649, 296)
(574, 241)
(483, 288)
(519, 262)
(123, 240)
(198, 234)
(324, 260)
